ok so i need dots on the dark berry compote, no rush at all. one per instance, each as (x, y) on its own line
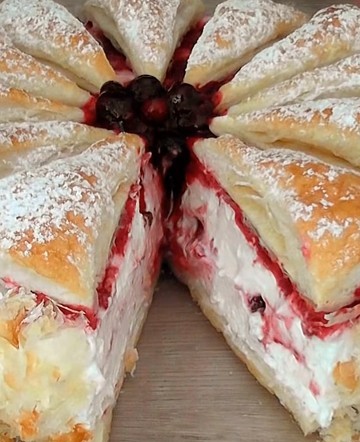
(164, 114)
(165, 118)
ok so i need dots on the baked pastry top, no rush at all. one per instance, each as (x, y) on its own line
(236, 31)
(328, 128)
(59, 219)
(330, 35)
(148, 32)
(26, 145)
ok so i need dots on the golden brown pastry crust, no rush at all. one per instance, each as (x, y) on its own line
(27, 135)
(22, 71)
(237, 30)
(328, 128)
(18, 105)
(31, 144)
(332, 34)
(338, 80)
(47, 30)
(147, 32)
(312, 210)
(58, 244)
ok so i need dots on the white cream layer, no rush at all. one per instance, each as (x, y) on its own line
(129, 301)
(237, 274)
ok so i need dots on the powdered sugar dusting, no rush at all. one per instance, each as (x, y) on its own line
(31, 144)
(20, 70)
(147, 27)
(42, 133)
(48, 30)
(344, 113)
(68, 197)
(341, 79)
(315, 194)
(238, 27)
(335, 27)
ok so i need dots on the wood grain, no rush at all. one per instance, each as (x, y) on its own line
(188, 385)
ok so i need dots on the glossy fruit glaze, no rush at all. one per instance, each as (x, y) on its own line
(192, 262)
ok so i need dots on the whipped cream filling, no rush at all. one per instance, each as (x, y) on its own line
(220, 262)
(69, 373)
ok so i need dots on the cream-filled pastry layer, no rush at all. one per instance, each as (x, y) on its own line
(61, 367)
(308, 362)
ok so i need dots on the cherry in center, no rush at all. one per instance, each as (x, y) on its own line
(163, 117)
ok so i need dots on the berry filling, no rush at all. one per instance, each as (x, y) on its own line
(257, 304)
(116, 58)
(178, 64)
(164, 118)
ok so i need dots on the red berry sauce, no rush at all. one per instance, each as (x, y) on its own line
(116, 58)
(176, 71)
(89, 111)
(121, 241)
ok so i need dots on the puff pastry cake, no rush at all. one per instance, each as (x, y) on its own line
(108, 139)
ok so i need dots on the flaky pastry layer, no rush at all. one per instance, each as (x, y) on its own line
(305, 210)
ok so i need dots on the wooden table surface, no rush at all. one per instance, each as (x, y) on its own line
(188, 385)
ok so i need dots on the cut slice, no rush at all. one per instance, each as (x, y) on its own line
(338, 80)
(267, 242)
(47, 30)
(23, 71)
(326, 128)
(29, 145)
(77, 278)
(237, 30)
(148, 32)
(18, 105)
(332, 34)
(67, 246)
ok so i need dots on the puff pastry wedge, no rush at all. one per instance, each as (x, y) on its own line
(330, 35)
(48, 31)
(329, 128)
(337, 80)
(267, 241)
(236, 31)
(78, 264)
(147, 32)
(27, 145)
